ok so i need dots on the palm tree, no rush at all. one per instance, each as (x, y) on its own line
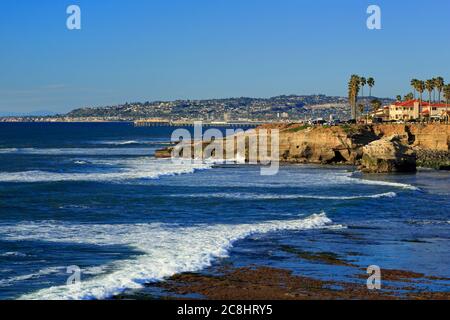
(447, 99)
(429, 86)
(434, 89)
(361, 108)
(363, 82)
(376, 104)
(439, 85)
(353, 90)
(414, 85)
(399, 98)
(350, 96)
(371, 84)
(409, 96)
(420, 87)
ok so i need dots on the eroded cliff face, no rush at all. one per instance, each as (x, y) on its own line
(324, 144)
(344, 144)
(433, 137)
(388, 154)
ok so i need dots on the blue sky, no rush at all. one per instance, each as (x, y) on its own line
(140, 50)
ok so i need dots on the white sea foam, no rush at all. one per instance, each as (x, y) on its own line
(13, 254)
(44, 272)
(80, 151)
(141, 168)
(8, 150)
(8, 282)
(81, 162)
(385, 183)
(166, 249)
(293, 178)
(119, 143)
(131, 142)
(258, 196)
(428, 222)
(350, 177)
(344, 177)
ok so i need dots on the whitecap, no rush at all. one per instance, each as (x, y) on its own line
(13, 254)
(131, 142)
(166, 249)
(80, 151)
(386, 183)
(8, 150)
(258, 196)
(44, 272)
(142, 168)
(81, 162)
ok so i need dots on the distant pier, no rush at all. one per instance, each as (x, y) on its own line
(168, 123)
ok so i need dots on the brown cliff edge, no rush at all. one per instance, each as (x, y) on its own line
(391, 147)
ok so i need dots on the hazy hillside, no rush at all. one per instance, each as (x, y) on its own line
(287, 106)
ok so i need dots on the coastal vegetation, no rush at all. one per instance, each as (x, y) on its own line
(447, 93)
(434, 87)
(355, 84)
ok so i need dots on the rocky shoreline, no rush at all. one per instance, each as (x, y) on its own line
(226, 282)
(434, 159)
(382, 148)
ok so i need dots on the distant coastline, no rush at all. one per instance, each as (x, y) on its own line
(284, 108)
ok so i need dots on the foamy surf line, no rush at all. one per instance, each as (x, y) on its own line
(131, 142)
(351, 178)
(167, 250)
(387, 183)
(144, 168)
(79, 151)
(255, 196)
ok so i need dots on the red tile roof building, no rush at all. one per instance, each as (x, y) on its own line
(413, 109)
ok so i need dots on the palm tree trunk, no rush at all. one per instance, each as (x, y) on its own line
(446, 111)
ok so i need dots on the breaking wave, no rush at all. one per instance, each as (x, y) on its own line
(142, 168)
(257, 196)
(132, 142)
(385, 183)
(167, 249)
(80, 151)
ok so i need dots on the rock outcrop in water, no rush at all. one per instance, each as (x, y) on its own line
(389, 154)
(346, 145)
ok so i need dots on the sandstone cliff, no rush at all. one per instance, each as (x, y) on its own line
(344, 144)
(433, 137)
(389, 154)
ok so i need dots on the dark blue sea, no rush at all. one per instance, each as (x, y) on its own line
(93, 196)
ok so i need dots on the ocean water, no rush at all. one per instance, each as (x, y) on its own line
(93, 196)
